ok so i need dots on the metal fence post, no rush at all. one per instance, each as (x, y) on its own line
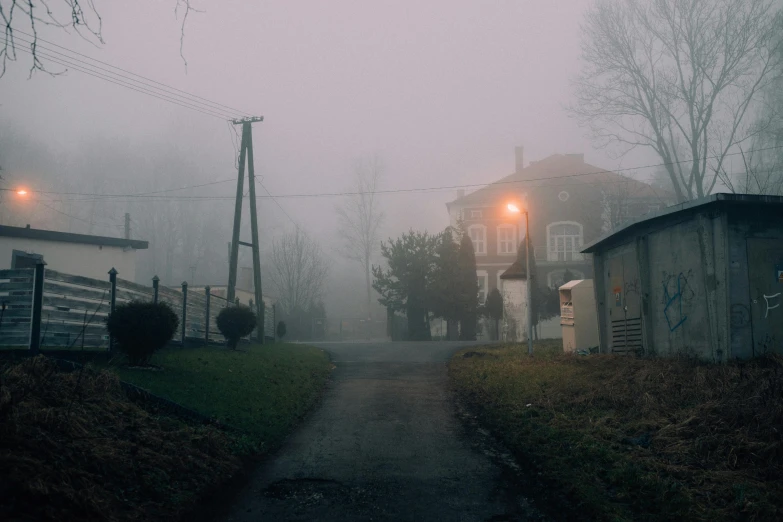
(184, 311)
(155, 285)
(35, 326)
(206, 319)
(255, 332)
(112, 302)
(274, 323)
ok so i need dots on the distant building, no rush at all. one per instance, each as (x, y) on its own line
(75, 254)
(703, 278)
(569, 202)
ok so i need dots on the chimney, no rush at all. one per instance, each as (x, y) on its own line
(460, 193)
(519, 153)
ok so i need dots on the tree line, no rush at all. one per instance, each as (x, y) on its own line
(429, 276)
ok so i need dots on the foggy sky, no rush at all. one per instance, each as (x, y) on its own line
(442, 90)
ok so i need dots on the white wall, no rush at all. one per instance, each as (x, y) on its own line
(514, 324)
(73, 258)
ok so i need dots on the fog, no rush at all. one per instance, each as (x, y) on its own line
(442, 92)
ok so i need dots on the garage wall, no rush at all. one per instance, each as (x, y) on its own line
(755, 293)
(73, 258)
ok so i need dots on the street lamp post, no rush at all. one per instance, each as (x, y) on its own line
(528, 283)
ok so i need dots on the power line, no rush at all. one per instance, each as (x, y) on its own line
(155, 194)
(73, 217)
(208, 101)
(141, 90)
(279, 205)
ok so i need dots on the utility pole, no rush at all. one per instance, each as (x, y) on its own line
(246, 151)
(127, 225)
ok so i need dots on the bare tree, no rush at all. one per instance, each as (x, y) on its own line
(298, 271)
(360, 219)
(678, 76)
(23, 20)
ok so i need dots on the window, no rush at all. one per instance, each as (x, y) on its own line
(478, 235)
(564, 240)
(483, 280)
(476, 214)
(507, 241)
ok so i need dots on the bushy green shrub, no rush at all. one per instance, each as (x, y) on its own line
(281, 329)
(141, 328)
(235, 322)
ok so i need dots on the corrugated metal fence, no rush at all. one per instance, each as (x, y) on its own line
(46, 308)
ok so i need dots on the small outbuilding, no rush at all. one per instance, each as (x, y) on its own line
(514, 291)
(702, 278)
(75, 254)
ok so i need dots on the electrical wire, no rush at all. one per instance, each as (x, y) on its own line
(205, 101)
(279, 205)
(131, 87)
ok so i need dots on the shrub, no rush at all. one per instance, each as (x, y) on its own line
(235, 322)
(141, 328)
(281, 330)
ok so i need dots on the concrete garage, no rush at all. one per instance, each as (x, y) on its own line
(703, 278)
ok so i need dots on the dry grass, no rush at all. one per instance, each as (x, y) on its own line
(72, 447)
(638, 439)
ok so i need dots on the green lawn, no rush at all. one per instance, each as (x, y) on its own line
(626, 438)
(262, 390)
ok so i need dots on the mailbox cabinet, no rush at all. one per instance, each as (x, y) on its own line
(578, 315)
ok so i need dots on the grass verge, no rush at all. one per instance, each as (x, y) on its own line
(73, 447)
(636, 439)
(263, 391)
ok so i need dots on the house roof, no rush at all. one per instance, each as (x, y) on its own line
(714, 200)
(555, 170)
(517, 270)
(67, 237)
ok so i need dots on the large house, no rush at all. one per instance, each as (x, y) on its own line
(569, 203)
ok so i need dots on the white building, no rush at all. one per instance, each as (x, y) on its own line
(76, 254)
(513, 327)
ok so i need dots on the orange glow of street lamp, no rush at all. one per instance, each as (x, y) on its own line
(513, 208)
(21, 192)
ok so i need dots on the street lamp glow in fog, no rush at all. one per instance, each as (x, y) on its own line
(21, 192)
(513, 208)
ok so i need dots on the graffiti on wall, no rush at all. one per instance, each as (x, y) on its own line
(676, 291)
(774, 298)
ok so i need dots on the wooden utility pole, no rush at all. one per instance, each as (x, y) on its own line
(246, 151)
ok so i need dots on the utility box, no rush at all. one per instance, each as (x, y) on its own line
(578, 315)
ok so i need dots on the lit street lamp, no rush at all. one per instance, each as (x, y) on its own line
(514, 209)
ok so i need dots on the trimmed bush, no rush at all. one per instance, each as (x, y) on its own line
(281, 330)
(235, 322)
(141, 328)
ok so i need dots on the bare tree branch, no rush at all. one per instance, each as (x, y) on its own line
(360, 219)
(298, 272)
(678, 76)
(21, 20)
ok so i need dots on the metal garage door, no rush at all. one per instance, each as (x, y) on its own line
(624, 300)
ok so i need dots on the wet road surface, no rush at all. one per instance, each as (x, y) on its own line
(386, 443)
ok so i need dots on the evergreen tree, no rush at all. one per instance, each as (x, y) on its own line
(494, 310)
(468, 289)
(445, 294)
(404, 286)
